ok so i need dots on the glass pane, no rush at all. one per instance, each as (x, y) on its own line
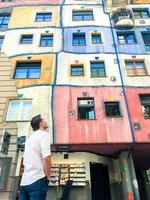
(139, 64)
(129, 65)
(21, 73)
(13, 110)
(34, 73)
(26, 110)
(130, 38)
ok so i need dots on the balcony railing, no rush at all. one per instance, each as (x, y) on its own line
(123, 17)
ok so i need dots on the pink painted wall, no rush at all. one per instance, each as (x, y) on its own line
(137, 113)
(70, 130)
(28, 2)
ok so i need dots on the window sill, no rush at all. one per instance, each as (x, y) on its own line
(17, 121)
(46, 46)
(79, 45)
(147, 118)
(80, 20)
(129, 44)
(25, 78)
(25, 43)
(99, 76)
(109, 117)
(137, 75)
(86, 119)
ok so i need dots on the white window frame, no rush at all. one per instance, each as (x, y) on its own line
(20, 111)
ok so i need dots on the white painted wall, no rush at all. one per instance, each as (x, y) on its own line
(100, 18)
(83, 1)
(137, 22)
(64, 65)
(136, 80)
(12, 46)
(41, 104)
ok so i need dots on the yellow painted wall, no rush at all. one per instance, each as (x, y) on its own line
(25, 16)
(47, 70)
(141, 1)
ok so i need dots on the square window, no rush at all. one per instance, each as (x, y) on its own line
(19, 110)
(46, 41)
(135, 67)
(86, 108)
(4, 20)
(96, 38)
(126, 37)
(43, 17)
(1, 41)
(141, 13)
(145, 102)
(77, 70)
(81, 15)
(146, 39)
(26, 39)
(28, 70)
(112, 109)
(79, 39)
(97, 69)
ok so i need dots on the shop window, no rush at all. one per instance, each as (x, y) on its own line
(82, 15)
(141, 13)
(135, 68)
(112, 109)
(79, 39)
(46, 40)
(4, 20)
(43, 17)
(26, 39)
(126, 38)
(86, 108)
(77, 70)
(28, 70)
(96, 38)
(1, 41)
(97, 69)
(145, 102)
(146, 39)
(19, 110)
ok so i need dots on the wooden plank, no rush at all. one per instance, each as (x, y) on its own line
(9, 82)
(2, 106)
(5, 73)
(3, 100)
(7, 88)
(9, 94)
(5, 68)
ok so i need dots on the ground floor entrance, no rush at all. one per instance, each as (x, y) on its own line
(100, 185)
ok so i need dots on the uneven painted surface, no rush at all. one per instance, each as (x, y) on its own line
(141, 21)
(99, 17)
(135, 48)
(106, 46)
(65, 61)
(137, 81)
(137, 114)
(15, 48)
(29, 2)
(71, 130)
(47, 70)
(25, 16)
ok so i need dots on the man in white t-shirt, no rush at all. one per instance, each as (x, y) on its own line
(37, 162)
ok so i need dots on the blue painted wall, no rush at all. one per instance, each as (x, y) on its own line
(106, 47)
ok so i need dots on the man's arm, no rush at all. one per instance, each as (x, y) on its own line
(47, 166)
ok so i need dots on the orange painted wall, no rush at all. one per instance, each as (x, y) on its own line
(70, 130)
(137, 114)
(47, 70)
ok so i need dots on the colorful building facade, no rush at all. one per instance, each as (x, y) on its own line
(84, 66)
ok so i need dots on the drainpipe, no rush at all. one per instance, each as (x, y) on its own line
(135, 195)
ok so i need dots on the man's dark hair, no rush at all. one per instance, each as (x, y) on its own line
(35, 122)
